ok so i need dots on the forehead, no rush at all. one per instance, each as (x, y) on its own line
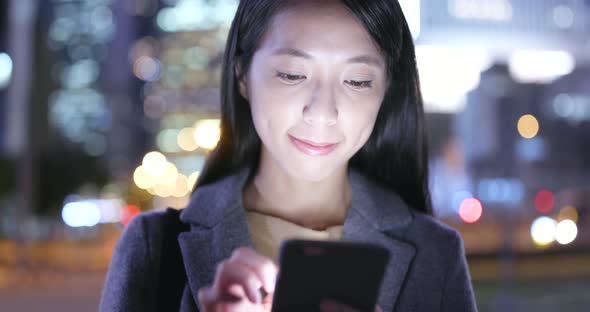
(317, 26)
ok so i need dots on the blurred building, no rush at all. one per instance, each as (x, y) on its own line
(132, 89)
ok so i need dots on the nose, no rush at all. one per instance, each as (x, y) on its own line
(322, 108)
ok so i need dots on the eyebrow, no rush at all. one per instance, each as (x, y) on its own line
(364, 59)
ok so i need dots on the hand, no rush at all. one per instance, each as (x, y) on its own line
(329, 305)
(238, 283)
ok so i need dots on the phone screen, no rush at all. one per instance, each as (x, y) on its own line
(310, 271)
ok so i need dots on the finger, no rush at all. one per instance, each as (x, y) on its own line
(262, 266)
(230, 273)
(205, 297)
(227, 302)
(378, 309)
(210, 299)
(267, 302)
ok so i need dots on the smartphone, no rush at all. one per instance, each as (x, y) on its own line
(310, 271)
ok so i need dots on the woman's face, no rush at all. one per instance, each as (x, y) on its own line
(315, 86)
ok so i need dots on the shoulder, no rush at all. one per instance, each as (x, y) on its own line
(426, 232)
(145, 226)
(134, 264)
(141, 240)
(440, 253)
(429, 226)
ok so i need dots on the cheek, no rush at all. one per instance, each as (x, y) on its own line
(361, 123)
(272, 113)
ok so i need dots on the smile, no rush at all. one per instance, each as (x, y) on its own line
(311, 148)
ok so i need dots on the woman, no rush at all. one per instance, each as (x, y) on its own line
(322, 137)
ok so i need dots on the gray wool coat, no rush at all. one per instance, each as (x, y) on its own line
(427, 270)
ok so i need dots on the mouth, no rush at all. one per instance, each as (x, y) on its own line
(313, 148)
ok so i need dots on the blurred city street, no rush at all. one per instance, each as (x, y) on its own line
(109, 108)
(57, 293)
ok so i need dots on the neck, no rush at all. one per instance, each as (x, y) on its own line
(312, 204)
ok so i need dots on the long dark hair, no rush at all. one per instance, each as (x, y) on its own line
(395, 154)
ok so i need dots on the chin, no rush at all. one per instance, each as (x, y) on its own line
(310, 172)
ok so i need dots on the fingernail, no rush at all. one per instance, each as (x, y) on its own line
(270, 279)
(254, 295)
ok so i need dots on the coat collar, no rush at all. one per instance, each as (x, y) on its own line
(219, 225)
(212, 203)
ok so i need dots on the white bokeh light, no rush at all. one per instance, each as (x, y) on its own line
(527, 66)
(5, 69)
(543, 230)
(566, 232)
(411, 9)
(440, 92)
(82, 213)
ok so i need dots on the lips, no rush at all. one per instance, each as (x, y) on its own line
(313, 148)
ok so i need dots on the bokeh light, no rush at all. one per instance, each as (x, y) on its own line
(494, 11)
(544, 201)
(110, 210)
(441, 94)
(543, 230)
(192, 180)
(129, 212)
(524, 65)
(207, 133)
(573, 107)
(181, 186)
(563, 16)
(79, 114)
(81, 213)
(80, 74)
(163, 178)
(147, 68)
(411, 9)
(501, 190)
(164, 190)
(470, 210)
(459, 197)
(152, 191)
(534, 149)
(166, 140)
(169, 175)
(173, 76)
(186, 139)
(189, 15)
(528, 126)
(143, 179)
(154, 163)
(568, 213)
(196, 58)
(5, 69)
(566, 232)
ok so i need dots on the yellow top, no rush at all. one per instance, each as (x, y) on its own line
(268, 232)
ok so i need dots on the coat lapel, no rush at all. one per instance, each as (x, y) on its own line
(401, 255)
(219, 225)
(379, 216)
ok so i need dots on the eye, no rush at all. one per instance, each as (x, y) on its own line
(355, 84)
(291, 78)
